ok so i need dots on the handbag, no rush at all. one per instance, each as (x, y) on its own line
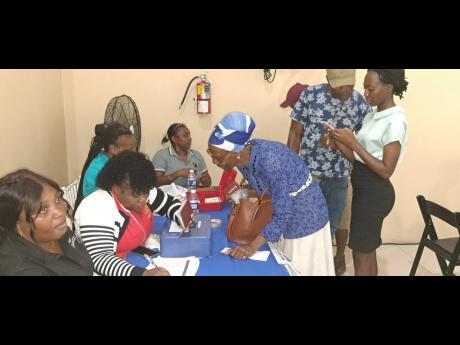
(249, 218)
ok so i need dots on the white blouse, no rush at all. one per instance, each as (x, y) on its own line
(382, 128)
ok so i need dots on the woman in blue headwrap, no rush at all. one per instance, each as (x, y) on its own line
(300, 223)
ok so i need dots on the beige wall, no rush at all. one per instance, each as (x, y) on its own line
(32, 122)
(158, 93)
(431, 165)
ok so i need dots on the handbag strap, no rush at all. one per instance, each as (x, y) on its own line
(265, 190)
(262, 195)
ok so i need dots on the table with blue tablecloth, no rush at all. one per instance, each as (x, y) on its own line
(219, 264)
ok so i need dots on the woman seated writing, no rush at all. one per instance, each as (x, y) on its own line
(118, 217)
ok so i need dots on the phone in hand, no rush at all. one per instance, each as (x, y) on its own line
(326, 125)
(141, 250)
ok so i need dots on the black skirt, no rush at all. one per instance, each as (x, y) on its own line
(373, 199)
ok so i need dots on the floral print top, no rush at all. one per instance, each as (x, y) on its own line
(277, 167)
(317, 104)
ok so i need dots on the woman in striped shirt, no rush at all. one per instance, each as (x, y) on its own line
(118, 217)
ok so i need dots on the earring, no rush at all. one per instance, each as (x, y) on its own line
(19, 229)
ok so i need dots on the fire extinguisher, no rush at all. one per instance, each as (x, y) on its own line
(203, 95)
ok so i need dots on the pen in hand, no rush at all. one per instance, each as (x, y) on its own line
(150, 260)
(185, 268)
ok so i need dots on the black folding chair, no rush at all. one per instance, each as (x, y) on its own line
(446, 249)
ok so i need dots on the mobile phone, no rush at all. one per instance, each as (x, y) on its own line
(326, 124)
(141, 250)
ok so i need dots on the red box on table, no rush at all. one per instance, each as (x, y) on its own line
(213, 192)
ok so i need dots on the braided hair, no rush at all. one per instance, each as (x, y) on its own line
(395, 77)
(105, 135)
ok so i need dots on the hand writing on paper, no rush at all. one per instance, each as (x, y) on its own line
(159, 271)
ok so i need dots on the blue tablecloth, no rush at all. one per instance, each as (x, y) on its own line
(219, 264)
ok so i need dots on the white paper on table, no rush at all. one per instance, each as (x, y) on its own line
(152, 242)
(174, 190)
(213, 200)
(174, 227)
(260, 255)
(223, 251)
(175, 266)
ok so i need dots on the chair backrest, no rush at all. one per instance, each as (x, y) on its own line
(429, 208)
(446, 249)
(70, 192)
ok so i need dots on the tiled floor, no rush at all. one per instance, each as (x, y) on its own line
(396, 260)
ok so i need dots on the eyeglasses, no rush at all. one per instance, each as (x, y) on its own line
(137, 196)
(142, 196)
(219, 158)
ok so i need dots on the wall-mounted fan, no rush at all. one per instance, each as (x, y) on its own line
(124, 110)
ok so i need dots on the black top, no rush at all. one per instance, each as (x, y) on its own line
(20, 257)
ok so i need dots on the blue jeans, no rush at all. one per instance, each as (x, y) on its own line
(335, 193)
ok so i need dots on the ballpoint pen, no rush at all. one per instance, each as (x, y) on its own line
(185, 268)
(150, 260)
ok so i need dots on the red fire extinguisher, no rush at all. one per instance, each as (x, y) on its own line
(203, 95)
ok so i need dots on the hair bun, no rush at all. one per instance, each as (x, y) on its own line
(99, 129)
(165, 139)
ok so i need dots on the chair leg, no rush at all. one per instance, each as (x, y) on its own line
(418, 256)
(450, 269)
(442, 265)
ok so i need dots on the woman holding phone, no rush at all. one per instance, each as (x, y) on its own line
(375, 152)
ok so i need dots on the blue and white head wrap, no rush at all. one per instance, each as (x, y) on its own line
(233, 132)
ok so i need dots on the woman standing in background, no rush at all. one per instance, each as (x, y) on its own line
(375, 152)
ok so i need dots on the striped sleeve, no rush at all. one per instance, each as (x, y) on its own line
(100, 243)
(98, 227)
(165, 205)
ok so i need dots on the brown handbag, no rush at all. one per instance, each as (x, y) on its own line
(249, 218)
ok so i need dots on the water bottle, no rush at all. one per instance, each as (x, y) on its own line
(191, 180)
(194, 202)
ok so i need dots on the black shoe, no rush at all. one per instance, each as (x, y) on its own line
(340, 265)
